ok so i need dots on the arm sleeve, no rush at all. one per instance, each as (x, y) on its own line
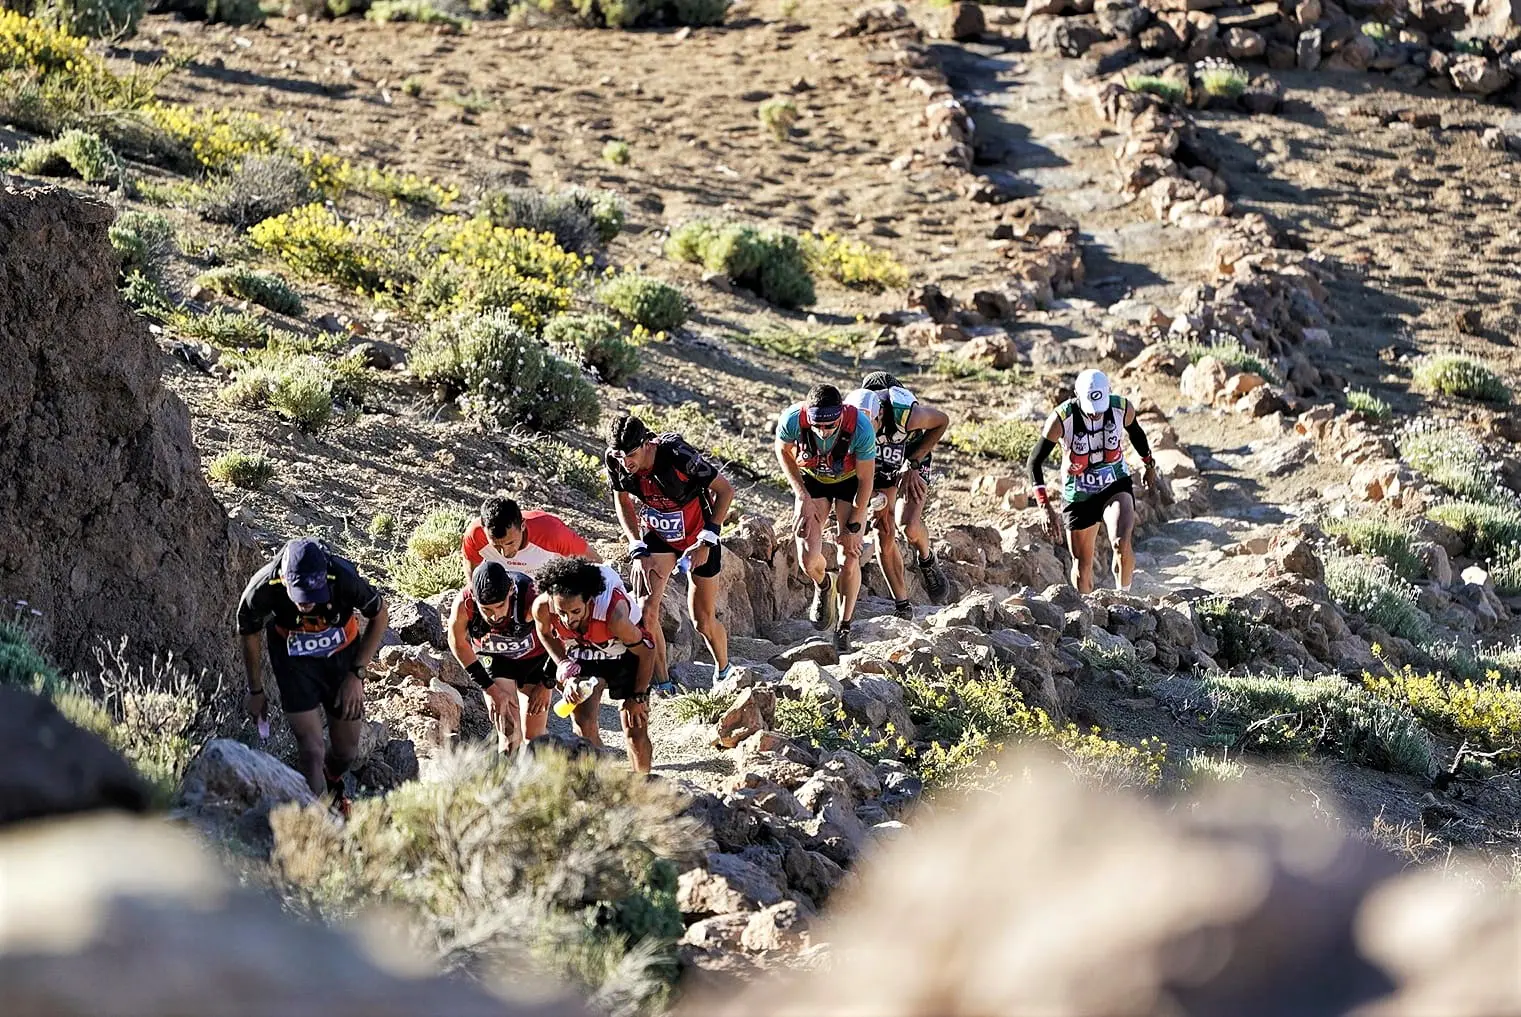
(551, 533)
(864, 442)
(1038, 456)
(1138, 438)
(473, 543)
(253, 610)
(615, 474)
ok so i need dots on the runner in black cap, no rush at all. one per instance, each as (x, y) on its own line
(305, 603)
(492, 635)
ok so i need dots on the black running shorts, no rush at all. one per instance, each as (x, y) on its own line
(1080, 515)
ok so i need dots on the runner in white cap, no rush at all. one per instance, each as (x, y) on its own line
(1098, 485)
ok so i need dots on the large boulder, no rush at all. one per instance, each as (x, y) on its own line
(226, 772)
(50, 767)
(725, 884)
(107, 525)
(106, 917)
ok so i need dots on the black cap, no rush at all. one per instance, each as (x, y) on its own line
(303, 569)
(634, 433)
(490, 583)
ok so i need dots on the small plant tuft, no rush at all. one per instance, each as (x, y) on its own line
(259, 187)
(769, 261)
(1009, 440)
(143, 240)
(1453, 458)
(250, 470)
(266, 289)
(617, 152)
(1369, 405)
(597, 343)
(81, 153)
(853, 263)
(1369, 587)
(1221, 79)
(779, 116)
(1165, 89)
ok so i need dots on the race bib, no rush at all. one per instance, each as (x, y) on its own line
(890, 455)
(665, 525)
(591, 651)
(499, 645)
(315, 644)
(1096, 478)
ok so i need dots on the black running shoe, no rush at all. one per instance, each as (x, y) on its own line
(824, 607)
(903, 609)
(842, 639)
(935, 583)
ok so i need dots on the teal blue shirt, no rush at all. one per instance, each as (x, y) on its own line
(821, 461)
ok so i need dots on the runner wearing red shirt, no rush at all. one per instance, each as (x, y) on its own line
(521, 541)
(671, 501)
(591, 628)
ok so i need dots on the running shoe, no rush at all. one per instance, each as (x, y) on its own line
(935, 583)
(842, 639)
(903, 609)
(666, 689)
(824, 607)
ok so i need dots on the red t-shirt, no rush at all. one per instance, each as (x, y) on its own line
(545, 538)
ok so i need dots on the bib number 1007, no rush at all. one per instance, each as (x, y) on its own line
(667, 525)
(315, 644)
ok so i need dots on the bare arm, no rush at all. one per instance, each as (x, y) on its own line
(374, 632)
(932, 423)
(632, 636)
(252, 650)
(459, 636)
(628, 514)
(787, 456)
(723, 499)
(552, 643)
(866, 471)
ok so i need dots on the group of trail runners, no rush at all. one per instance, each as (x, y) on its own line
(540, 613)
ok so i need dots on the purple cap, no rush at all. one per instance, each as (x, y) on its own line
(304, 571)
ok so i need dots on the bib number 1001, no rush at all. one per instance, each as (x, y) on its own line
(315, 644)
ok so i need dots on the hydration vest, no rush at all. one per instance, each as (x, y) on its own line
(839, 460)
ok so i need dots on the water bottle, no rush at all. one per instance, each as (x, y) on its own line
(583, 688)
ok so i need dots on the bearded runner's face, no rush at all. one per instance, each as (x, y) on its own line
(571, 610)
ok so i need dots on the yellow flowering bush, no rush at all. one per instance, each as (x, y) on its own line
(315, 242)
(853, 263)
(333, 176)
(27, 44)
(216, 139)
(471, 264)
(1487, 714)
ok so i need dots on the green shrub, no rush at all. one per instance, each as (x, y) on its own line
(440, 532)
(1486, 714)
(853, 263)
(143, 241)
(21, 665)
(260, 187)
(420, 578)
(1222, 79)
(1229, 351)
(420, 11)
(561, 214)
(82, 153)
(222, 328)
(1009, 440)
(1200, 769)
(1369, 405)
(643, 300)
(242, 469)
(502, 374)
(146, 295)
(606, 210)
(1448, 455)
(1464, 377)
(1372, 589)
(382, 525)
(1505, 569)
(1475, 662)
(266, 289)
(617, 152)
(804, 344)
(1384, 538)
(1328, 714)
(1380, 31)
(596, 342)
(1485, 528)
(1165, 89)
(316, 243)
(779, 116)
(767, 260)
(568, 862)
(1239, 638)
(92, 19)
(558, 461)
(475, 265)
(700, 707)
(303, 394)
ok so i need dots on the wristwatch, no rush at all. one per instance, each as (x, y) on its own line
(853, 527)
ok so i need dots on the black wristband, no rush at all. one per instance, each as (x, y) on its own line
(478, 674)
(710, 525)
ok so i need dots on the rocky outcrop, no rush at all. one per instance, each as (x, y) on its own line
(1248, 906)
(107, 525)
(50, 767)
(126, 918)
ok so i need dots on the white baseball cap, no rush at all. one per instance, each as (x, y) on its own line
(867, 401)
(1093, 391)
